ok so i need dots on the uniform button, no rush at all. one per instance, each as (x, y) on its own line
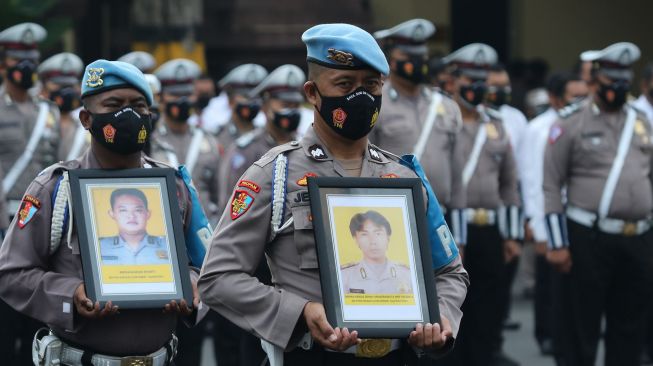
(294, 143)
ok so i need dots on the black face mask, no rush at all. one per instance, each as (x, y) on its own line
(124, 132)
(614, 95)
(66, 99)
(179, 110)
(650, 91)
(247, 111)
(498, 96)
(473, 94)
(23, 74)
(416, 70)
(287, 119)
(202, 101)
(351, 116)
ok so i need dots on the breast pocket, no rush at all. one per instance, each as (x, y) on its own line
(303, 237)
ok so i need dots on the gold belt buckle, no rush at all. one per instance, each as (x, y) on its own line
(481, 217)
(137, 361)
(630, 229)
(373, 348)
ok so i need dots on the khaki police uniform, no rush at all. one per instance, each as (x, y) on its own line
(274, 312)
(368, 278)
(42, 285)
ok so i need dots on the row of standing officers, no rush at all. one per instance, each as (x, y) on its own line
(584, 169)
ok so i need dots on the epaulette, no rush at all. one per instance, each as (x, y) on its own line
(246, 139)
(53, 169)
(275, 151)
(157, 163)
(349, 265)
(569, 110)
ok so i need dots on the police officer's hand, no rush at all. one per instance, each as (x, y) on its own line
(560, 259)
(431, 336)
(540, 248)
(182, 307)
(511, 250)
(335, 339)
(87, 309)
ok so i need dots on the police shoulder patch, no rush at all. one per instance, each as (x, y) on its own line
(240, 203)
(250, 185)
(555, 133)
(28, 208)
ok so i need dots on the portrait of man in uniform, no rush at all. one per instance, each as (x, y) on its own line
(374, 273)
(133, 245)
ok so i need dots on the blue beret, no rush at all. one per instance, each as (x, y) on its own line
(104, 75)
(344, 46)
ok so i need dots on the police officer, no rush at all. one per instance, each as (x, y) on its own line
(417, 119)
(41, 269)
(281, 94)
(565, 92)
(601, 239)
(242, 112)
(345, 71)
(28, 143)
(178, 143)
(60, 76)
(645, 100)
(133, 245)
(374, 273)
(490, 179)
(142, 60)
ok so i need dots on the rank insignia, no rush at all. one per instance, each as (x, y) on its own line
(241, 202)
(339, 117)
(390, 175)
(375, 154)
(640, 130)
(303, 181)
(491, 131)
(341, 57)
(28, 208)
(554, 134)
(95, 77)
(250, 185)
(317, 152)
(109, 133)
(142, 135)
(162, 254)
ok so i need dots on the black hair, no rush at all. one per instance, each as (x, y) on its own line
(128, 192)
(557, 83)
(357, 221)
(498, 67)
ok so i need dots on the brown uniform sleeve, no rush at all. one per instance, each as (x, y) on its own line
(555, 167)
(227, 283)
(4, 215)
(452, 281)
(27, 282)
(508, 189)
(458, 192)
(226, 183)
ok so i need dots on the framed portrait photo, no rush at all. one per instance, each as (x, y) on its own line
(131, 238)
(374, 254)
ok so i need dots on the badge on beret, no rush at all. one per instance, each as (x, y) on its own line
(28, 208)
(554, 134)
(241, 202)
(341, 57)
(95, 77)
(303, 181)
(250, 185)
(317, 152)
(339, 117)
(109, 133)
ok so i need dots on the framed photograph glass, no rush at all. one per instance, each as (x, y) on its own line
(374, 254)
(130, 236)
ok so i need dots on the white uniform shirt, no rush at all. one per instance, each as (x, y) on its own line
(218, 114)
(645, 106)
(531, 162)
(515, 123)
